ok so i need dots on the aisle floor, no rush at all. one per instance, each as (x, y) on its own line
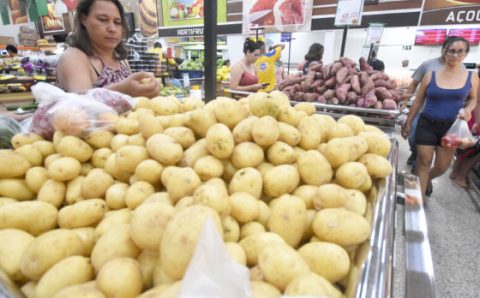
(453, 219)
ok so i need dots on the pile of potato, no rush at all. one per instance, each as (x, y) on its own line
(118, 214)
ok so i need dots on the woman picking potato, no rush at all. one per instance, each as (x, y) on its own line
(96, 56)
(445, 93)
(243, 76)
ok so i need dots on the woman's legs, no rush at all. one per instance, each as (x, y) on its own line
(424, 162)
(467, 165)
(456, 166)
(443, 158)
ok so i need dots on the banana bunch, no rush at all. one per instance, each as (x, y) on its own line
(223, 73)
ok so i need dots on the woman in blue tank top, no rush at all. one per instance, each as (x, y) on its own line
(444, 92)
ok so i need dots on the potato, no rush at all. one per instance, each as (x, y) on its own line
(289, 134)
(86, 168)
(28, 289)
(330, 195)
(5, 201)
(247, 180)
(57, 136)
(265, 131)
(183, 135)
(14, 244)
(231, 229)
(341, 226)
(34, 217)
(165, 105)
(13, 164)
(351, 175)
(96, 184)
(307, 107)
(365, 187)
(314, 168)
(377, 143)
(220, 141)
(263, 104)
(308, 231)
(251, 228)
(159, 197)
(45, 147)
(356, 201)
(99, 138)
(280, 264)
(160, 277)
(340, 130)
(168, 173)
(281, 153)
(208, 167)
(262, 289)
(377, 166)
(118, 141)
(120, 278)
(312, 285)
(147, 261)
(229, 111)
(288, 219)
(263, 212)
(47, 250)
(85, 290)
(52, 192)
(64, 168)
(194, 153)
(180, 238)
(127, 126)
(149, 125)
(229, 170)
(356, 123)
(21, 139)
(112, 169)
(308, 193)
(290, 115)
(201, 120)
(311, 133)
(73, 193)
(35, 178)
(163, 291)
(337, 152)
(137, 140)
(244, 207)
(111, 219)
(243, 130)
(148, 223)
(329, 260)
(190, 104)
(183, 184)
(371, 128)
(247, 154)
(256, 243)
(164, 149)
(82, 214)
(31, 154)
(236, 252)
(87, 235)
(128, 157)
(100, 156)
(49, 159)
(69, 271)
(137, 193)
(280, 180)
(214, 195)
(256, 274)
(115, 243)
(74, 147)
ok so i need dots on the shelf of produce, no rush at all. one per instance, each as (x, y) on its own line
(16, 98)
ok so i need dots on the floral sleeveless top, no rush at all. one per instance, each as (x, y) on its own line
(109, 76)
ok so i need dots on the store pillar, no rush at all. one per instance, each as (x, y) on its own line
(210, 24)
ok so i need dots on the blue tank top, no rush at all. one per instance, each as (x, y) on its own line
(444, 104)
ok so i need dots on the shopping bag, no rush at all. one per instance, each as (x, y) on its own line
(457, 135)
(212, 273)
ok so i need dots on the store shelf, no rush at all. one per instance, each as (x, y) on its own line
(16, 97)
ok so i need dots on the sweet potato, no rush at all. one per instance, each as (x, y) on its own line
(370, 99)
(316, 67)
(364, 77)
(391, 84)
(379, 75)
(361, 102)
(341, 74)
(310, 77)
(303, 86)
(335, 67)
(389, 104)
(326, 71)
(347, 79)
(290, 82)
(297, 87)
(321, 99)
(333, 101)
(363, 63)
(355, 80)
(310, 96)
(298, 96)
(321, 90)
(378, 105)
(318, 75)
(351, 97)
(382, 93)
(367, 86)
(342, 91)
(330, 82)
(318, 83)
(329, 94)
(347, 62)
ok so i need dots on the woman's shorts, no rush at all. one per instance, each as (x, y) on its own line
(430, 132)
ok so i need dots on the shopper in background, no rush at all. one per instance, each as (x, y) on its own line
(12, 51)
(444, 93)
(96, 56)
(243, 76)
(313, 57)
(279, 71)
(434, 64)
(377, 64)
(266, 65)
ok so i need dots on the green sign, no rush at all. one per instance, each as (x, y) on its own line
(189, 12)
(4, 13)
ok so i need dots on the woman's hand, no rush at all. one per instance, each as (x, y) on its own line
(465, 115)
(474, 129)
(141, 84)
(406, 130)
(256, 87)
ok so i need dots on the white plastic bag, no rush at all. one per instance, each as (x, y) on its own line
(457, 134)
(212, 272)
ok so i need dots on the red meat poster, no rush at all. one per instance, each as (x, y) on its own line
(277, 15)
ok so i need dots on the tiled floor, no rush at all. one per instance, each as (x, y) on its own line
(453, 219)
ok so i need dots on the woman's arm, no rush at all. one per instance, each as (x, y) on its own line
(417, 104)
(235, 77)
(472, 99)
(74, 71)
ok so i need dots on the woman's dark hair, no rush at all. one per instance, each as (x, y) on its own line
(249, 46)
(79, 37)
(12, 48)
(315, 53)
(451, 39)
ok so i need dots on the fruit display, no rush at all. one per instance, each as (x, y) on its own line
(341, 83)
(173, 90)
(191, 65)
(223, 73)
(180, 9)
(117, 213)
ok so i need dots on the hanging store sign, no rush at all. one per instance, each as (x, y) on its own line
(450, 12)
(189, 12)
(374, 33)
(349, 13)
(196, 31)
(277, 15)
(286, 37)
(148, 17)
